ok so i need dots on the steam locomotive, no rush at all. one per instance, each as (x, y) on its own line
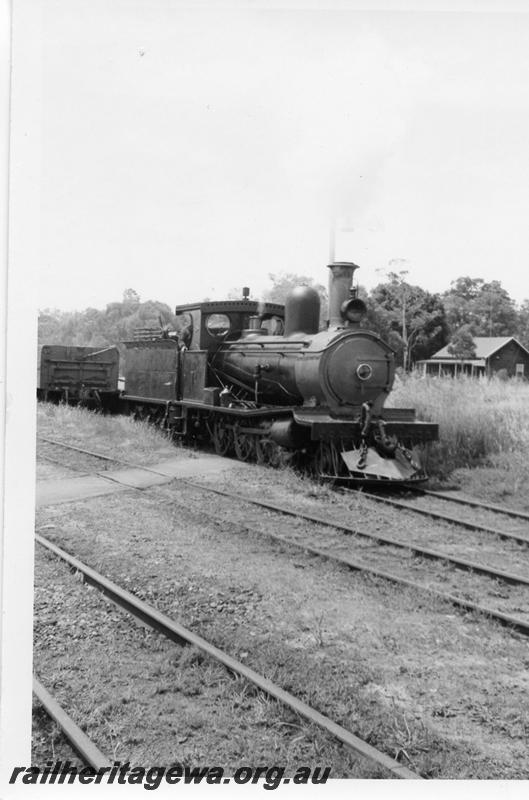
(260, 381)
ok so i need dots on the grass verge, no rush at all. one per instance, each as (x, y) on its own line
(482, 423)
(114, 436)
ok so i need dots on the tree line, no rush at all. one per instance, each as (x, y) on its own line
(415, 323)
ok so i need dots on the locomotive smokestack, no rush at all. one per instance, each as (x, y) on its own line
(340, 282)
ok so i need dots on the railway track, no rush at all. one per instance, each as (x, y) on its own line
(521, 535)
(472, 503)
(443, 496)
(319, 546)
(175, 631)
(332, 549)
(78, 739)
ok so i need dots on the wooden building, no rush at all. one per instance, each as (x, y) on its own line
(493, 353)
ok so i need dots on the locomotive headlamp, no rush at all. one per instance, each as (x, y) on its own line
(353, 310)
(364, 371)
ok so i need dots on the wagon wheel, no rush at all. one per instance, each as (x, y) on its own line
(222, 437)
(138, 413)
(243, 444)
(145, 414)
(156, 416)
(162, 419)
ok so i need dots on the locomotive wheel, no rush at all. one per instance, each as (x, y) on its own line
(261, 450)
(222, 437)
(268, 452)
(243, 445)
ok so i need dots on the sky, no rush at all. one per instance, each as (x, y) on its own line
(187, 151)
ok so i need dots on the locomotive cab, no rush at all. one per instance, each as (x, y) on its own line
(161, 368)
(210, 324)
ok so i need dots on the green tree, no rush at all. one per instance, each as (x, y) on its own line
(486, 307)
(103, 328)
(522, 325)
(131, 297)
(410, 319)
(462, 344)
(49, 325)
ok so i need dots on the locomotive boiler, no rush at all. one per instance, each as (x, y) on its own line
(263, 382)
(339, 369)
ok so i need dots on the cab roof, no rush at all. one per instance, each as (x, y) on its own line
(237, 306)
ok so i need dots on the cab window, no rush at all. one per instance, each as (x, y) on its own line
(218, 325)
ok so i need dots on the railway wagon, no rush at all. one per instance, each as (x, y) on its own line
(84, 375)
(263, 383)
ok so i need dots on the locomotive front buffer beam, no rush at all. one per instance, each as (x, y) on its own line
(350, 452)
(416, 432)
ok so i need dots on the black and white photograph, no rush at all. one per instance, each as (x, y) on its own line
(265, 397)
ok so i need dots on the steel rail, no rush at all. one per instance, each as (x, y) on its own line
(432, 514)
(468, 501)
(98, 455)
(472, 526)
(77, 738)
(511, 512)
(505, 619)
(60, 463)
(460, 563)
(177, 632)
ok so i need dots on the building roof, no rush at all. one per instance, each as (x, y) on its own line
(476, 362)
(486, 346)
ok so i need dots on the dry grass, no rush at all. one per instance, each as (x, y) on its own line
(115, 436)
(481, 421)
(400, 669)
